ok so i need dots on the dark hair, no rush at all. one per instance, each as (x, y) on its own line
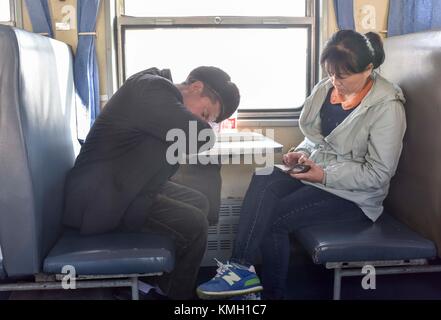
(351, 52)
(217, 86)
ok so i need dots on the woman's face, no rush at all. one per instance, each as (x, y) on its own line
(348, 84)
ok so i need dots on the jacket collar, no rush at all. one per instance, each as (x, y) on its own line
(382, 91)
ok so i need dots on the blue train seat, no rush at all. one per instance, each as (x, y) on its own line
(407, 237)
(38, 145)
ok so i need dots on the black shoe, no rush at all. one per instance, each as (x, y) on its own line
(126, 294)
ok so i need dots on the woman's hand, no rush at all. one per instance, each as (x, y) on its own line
(292, 158)
(315, 175)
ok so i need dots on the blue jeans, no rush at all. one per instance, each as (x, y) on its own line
(275, 206)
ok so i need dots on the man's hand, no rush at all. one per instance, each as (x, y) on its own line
(292, 158)
(315, 175)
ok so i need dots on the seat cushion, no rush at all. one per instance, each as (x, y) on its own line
(111, 254)
(387, 239)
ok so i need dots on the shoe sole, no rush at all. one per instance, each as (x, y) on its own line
(206, 295)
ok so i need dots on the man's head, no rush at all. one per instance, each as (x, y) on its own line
(209, 94)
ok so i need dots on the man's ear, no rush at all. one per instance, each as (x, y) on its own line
(197, 87)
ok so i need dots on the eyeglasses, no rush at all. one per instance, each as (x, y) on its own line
(214, 97)
(214, 93)
(208, 116)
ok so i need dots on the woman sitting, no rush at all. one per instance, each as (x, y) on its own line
(354, 124)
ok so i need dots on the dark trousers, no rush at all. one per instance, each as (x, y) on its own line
(207, 180)
(181, 213)
(275, 206)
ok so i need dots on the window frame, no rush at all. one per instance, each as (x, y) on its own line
(310, 21)
(16, 20)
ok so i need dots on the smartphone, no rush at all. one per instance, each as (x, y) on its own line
(298, 168)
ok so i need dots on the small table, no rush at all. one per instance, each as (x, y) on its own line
(241, 144)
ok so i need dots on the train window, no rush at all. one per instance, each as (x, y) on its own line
(5, 11)
(269, 70)
(269, 50)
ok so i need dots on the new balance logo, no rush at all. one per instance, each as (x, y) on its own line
(231, 278)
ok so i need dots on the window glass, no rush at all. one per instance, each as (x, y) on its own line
(268, 65)
(5, 12)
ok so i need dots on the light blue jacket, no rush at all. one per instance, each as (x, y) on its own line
(361, 155)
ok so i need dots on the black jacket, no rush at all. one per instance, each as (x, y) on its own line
(123, 163)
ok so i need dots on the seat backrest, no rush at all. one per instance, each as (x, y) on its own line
(414, 63)
(37, 145)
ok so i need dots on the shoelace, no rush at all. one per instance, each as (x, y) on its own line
(222, 268)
